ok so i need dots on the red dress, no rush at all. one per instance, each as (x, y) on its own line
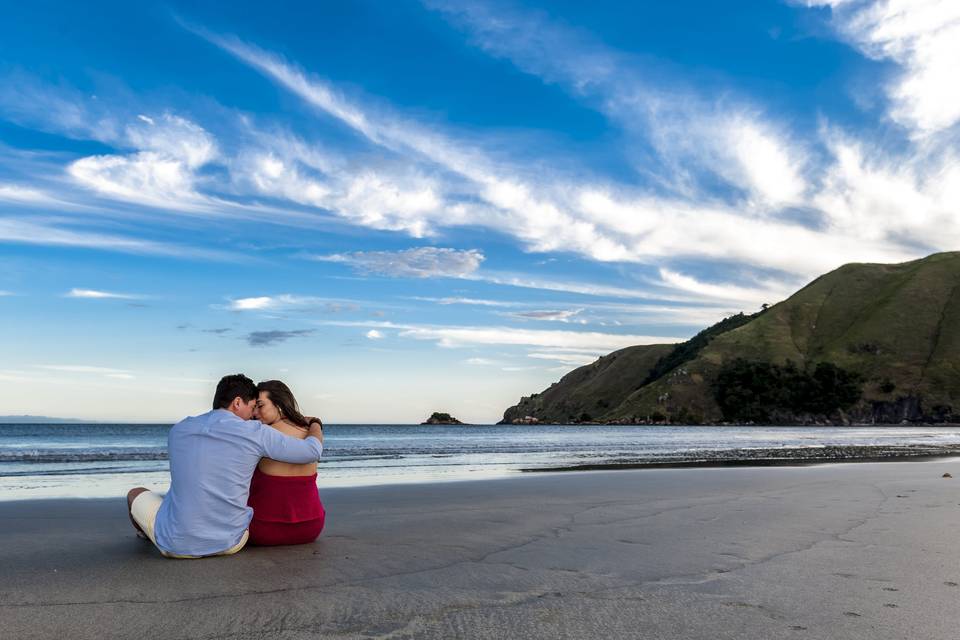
(286, 509)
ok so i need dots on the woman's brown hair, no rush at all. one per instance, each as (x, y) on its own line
(281, 396)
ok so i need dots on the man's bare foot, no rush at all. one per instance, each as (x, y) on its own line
(131, 496)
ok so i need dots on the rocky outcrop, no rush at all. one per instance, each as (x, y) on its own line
(441, 418)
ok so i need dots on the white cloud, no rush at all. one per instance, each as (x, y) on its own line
(374, 334)
(162, 173)
(876, 197)
(525, 281)
(462, 336)
(609, 223)
(70, 368)
(765, 163)
(64, 110)
(735, 142)
(468, 336)
(253, 304)
(100, 295)
(287, 301)
(481, 362)
(385, 198)
(467, 301)
(42, 232)
(421, 178)
(716, 136)
(575, 359)
(421, 262)
(507, 203)
(18, 193)
(698, 314)
(764, 293)
(923, 38)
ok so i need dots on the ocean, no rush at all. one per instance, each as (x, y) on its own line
(101, 460)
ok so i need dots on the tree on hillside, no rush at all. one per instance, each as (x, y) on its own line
(755, 391)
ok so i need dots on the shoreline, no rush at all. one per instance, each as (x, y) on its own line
(19, 487)
(882, 455)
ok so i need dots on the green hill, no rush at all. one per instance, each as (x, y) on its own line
(592, 391)
(864, 343)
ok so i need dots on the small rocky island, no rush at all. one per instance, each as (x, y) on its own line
(441, 418)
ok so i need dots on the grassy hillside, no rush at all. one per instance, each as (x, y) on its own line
(894, 327)
(591, 391)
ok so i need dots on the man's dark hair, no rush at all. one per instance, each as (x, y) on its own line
(230, 387)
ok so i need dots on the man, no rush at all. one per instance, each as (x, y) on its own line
(212, 459)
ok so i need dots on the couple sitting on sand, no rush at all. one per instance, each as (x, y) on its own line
(246, 471)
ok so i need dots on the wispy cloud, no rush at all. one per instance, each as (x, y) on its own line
(106, 372)
(507, 204)
(697, 313)
(421, 262)
(695, 134)
(274, 337)
(419, 177)
(286, 301)
(608, 222)
(31, 195)
(449, 300)
(563, 315)
(719, 137)
(923, 39)
(259, 303)
(51, 233)
(760, 293)
(162, 173)
(375, 334)
(572, 359)
(463, 336)
(470, 336)
(101, 295)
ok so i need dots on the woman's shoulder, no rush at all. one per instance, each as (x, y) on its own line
(288, 429)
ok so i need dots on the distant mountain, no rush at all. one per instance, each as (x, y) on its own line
(35, 420)
(866, 343)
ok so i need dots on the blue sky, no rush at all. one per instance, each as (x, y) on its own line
(401, 207)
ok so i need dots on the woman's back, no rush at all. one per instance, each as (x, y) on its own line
(285, 501)
(284, 497)
(276, 468)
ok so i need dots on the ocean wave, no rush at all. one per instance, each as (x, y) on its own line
(80, 456)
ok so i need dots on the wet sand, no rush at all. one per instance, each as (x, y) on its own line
(869, 550)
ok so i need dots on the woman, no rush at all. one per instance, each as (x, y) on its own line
(286, 503)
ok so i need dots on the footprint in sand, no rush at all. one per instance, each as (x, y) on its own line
(890, 589)
(797, 627)
(852, 614)
(890, 605)
(951, 584)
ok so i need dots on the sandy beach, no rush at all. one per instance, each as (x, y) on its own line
(864, 550)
